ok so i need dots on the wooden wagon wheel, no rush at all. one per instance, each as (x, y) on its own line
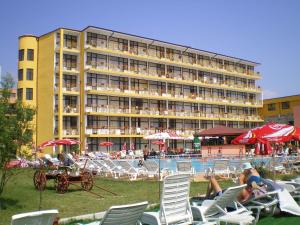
(39, 180)
(87, 181)
(62, 183)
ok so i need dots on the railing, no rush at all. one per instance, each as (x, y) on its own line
(70, 131)
(69, 109)
(177, 95)
(178, 59)
(73, 89)
(160, 112)
(175, 76)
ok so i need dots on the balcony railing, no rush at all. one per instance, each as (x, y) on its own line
(175, 76)
(72, 88)
(70, 109)
(70, 131)
(176, 95)
(165, 112)
(175, 58)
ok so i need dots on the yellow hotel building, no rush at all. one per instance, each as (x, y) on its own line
(282, 110)
(101, 85)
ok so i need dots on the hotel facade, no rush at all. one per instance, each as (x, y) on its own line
(101, 85)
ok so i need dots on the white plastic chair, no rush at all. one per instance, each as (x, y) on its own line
(174, 203)
(216, 210)
(45, 217)
(185, 167)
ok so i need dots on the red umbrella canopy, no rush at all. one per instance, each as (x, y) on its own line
(58, 142)
(106, 143)
(47, 144)
(158, 142)
(66, 142)
(272, 132)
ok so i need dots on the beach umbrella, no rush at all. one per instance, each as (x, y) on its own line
(159, 142)
(106, 143)
(66, 141)
(164, 136)
(270, 132)
(46, 144)
(58, 142)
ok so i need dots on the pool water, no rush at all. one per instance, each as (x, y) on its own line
(200, 165)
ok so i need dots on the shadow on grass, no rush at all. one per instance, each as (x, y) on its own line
(8, 202)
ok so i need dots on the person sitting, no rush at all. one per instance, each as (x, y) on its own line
(249, 176)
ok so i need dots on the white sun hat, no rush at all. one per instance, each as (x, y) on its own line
(247, 166)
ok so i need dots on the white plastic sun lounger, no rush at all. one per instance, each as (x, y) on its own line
(115, 169)
(216, 210)
(220, 167)
(174, 203)
(130, 170)
(45, 217)
(123, 215)
(152, 168)
(185, 167)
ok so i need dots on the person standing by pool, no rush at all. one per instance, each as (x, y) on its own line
(145, 152)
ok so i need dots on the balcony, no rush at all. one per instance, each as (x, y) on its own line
(174, 96)
(70, 131)
(179, 60)
(185, 78)
(72, 88)
(70, 109)
(171, 113)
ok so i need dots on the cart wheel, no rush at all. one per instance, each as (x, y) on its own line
(39, 180)
(87, 181)
(62, 183)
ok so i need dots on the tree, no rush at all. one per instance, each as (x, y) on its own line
(15, 129)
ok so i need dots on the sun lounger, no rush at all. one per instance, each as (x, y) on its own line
(45, 217)
(152, 169)
(221, 167)
(216, 210)
(174, 203)
(185, 167)
(130, 170)
(114, 169)
(123, 215)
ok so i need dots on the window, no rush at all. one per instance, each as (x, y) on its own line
(70, 41)
(20, 74)
(21, 54)
(285, 105)
(30, 54)
(29, 93)
(70, 61)
(271, 107)
(20, 93)
(29, 74)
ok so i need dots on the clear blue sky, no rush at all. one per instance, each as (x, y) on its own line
(265, 31)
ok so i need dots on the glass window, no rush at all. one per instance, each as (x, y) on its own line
(30, 54)
(20, 93)
(271, 107)
(29, 93)
(21, 54)
(285, 105)
(70, 41)
(29, 74)
(20, 74)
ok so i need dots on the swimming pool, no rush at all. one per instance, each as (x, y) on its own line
(200, 165)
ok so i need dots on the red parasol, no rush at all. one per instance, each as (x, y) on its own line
(158, 142)
(271, 132)
(106, 143)
(67, 141)
(58, 142)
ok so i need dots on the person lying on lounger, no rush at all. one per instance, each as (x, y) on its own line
(249, 176)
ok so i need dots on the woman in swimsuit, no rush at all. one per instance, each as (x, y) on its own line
(249, 177)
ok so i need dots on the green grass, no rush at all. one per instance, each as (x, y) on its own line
(20, 196)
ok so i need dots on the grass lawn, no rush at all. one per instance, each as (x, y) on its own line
(20, 196)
